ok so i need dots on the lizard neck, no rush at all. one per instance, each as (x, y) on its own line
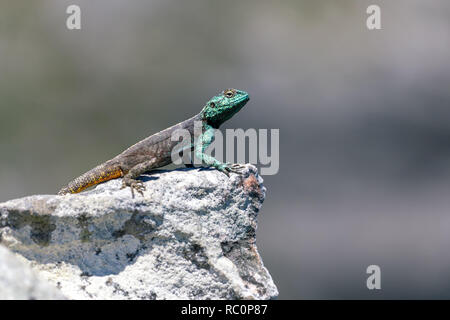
(208, 122)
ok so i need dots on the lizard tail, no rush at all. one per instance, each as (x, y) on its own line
(95, 176)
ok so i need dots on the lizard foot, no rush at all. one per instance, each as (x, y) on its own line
(234, 168)
(134, 185)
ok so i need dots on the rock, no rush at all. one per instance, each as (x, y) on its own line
(191, 236)
(19, 282)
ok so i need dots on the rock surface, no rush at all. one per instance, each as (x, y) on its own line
(19, 282)
(191, 236)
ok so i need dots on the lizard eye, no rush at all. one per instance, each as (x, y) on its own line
(229, 93)
(212, 105)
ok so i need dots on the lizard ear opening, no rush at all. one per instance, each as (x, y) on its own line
(212, 105)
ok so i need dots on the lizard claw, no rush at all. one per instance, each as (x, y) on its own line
(238, 166)
(234, 168)
(134, 185)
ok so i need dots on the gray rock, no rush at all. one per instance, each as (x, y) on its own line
(191, 236)
(19, 282)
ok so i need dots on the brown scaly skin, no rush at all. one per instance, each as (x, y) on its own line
(148, 154)
(155, 151)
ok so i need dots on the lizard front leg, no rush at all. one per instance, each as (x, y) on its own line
(130, 179)
(205, 139)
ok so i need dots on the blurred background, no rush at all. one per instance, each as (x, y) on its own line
(364, 119)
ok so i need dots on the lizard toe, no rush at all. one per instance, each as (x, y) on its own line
(138, 186)
(134, 185)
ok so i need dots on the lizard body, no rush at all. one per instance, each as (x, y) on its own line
(155, 151)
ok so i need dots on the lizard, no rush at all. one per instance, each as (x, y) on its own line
(155, 151)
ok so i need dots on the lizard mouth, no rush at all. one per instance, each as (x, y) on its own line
(243, 100)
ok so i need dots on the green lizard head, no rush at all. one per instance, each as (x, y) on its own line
(223, 106)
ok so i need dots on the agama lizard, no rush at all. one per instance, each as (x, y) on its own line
(155, 151)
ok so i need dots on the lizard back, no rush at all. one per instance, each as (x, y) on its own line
(157, 146)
